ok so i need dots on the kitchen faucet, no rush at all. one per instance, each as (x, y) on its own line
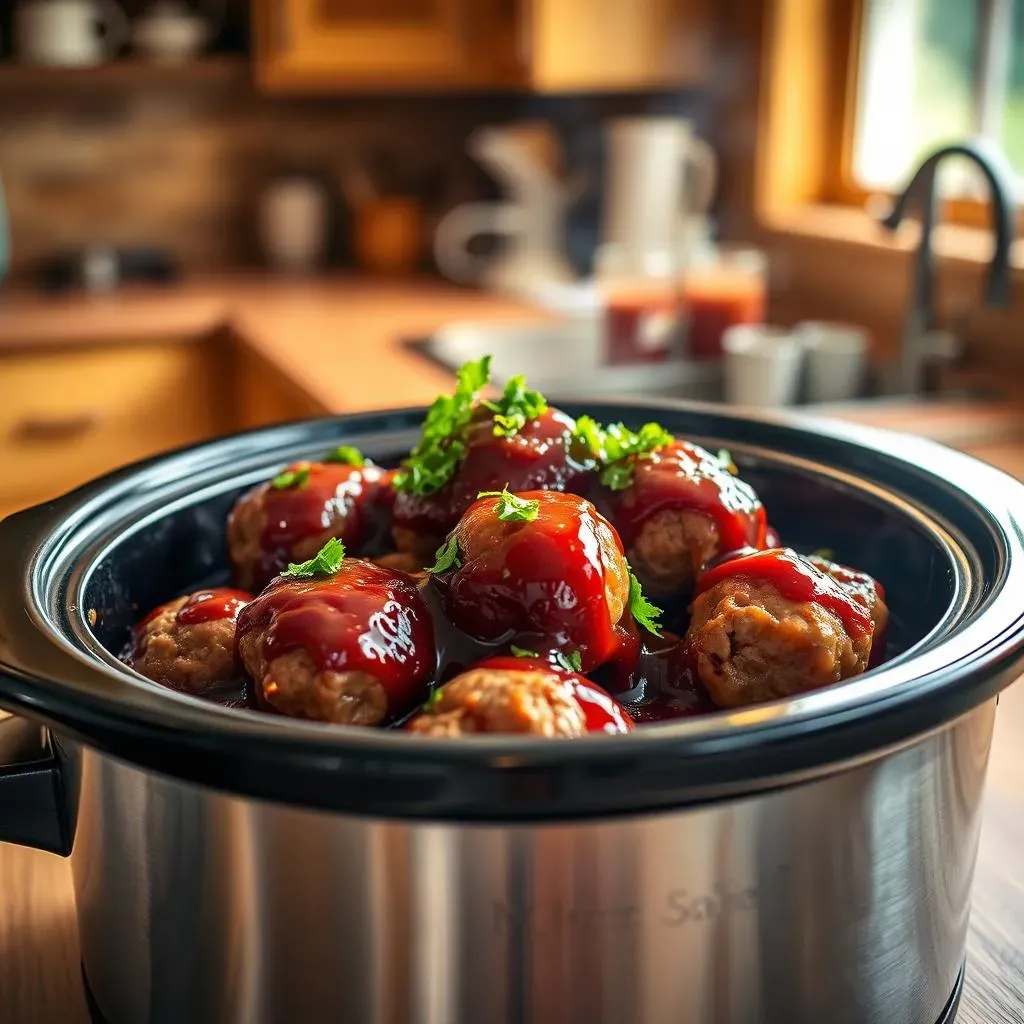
(922, 343)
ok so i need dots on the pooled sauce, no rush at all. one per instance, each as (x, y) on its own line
(541, 585)
(796, 579)
(331, 492)
(539, 456)
(364, 618)
(601, 711)
(212, 605)
(687, 478)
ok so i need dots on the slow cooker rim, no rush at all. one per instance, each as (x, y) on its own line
(104, 716)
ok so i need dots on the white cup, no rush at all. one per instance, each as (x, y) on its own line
(762, 365)
(836, 357)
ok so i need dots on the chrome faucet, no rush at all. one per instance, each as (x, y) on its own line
(923, 344)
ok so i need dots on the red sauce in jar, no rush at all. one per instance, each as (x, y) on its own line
(602, 712)
(542, 455)
(685, 477)
(796, 579)
(332, 491)
(212, 605)
(363, 618)
(540, 584)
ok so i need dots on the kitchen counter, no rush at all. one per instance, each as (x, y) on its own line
(341, 342)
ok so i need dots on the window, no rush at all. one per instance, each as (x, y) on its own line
(926, 72)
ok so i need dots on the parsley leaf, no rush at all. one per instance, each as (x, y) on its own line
(511, 508)
(616, 447)
(347, 455)
(522, 652)
(571, 662)
(295, 477)
(441, 447)
(326, 562)
(644, 613)
(516, 407)
(430, 704)
(590, 432)
(447, 556)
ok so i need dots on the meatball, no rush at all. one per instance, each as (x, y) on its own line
(289, 518)
(542, 569)
(510, 695)
(353, 647)
(543, 454)
(677, 508)
(771, 625)
(189, 644)
(864, 589)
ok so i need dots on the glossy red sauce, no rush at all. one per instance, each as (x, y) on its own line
(685, 477)
(543, 455)
(602, 712)
(772, 538)
(333, 491)
(540, 585)
(363, 618)
(796, 579)
(212, 605)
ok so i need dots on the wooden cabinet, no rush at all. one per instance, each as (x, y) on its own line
(68, 415)
(547, 45)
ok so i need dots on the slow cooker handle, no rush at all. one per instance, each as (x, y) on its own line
(32, 804)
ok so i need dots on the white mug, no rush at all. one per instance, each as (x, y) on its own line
(762, 365)
(292, 224)
(649, 194)
(69, 33)
(836, 359)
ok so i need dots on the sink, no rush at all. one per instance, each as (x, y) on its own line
(565, 358)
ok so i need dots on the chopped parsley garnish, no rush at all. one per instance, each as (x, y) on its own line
(571, 662)
(617, 447)
(326, 562)
(347, 455)
(447, 556)
(516, 407)
(433, 700)
(295, 477)
(825, 554)
(434, 460)
(724, 459)
(511, 508)
(522, 652)
(644, 613)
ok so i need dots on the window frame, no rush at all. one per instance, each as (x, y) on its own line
(839, 184)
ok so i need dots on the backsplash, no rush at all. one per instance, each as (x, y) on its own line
(178, 162)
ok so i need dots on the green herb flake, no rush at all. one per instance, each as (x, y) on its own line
(644, 613)
(347, 455)
(431, 703)
(617, 448)
(516, 407)
(447, 556)
(511, 508)
(326, 562)
(825, 554)
(571, 662)
(591, 433)
(441, 447)
(293, 478)
(522, 652)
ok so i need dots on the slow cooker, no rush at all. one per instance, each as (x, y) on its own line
(807, 861)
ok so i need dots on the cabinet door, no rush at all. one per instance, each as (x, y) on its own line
(324, 44)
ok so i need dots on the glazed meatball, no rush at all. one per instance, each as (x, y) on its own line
(354, 647)
(678, 508)
(864, 589)
(542, 568)
(189, 644)
(470, 444)
(771, 625)
(510, 695)
(289, 518)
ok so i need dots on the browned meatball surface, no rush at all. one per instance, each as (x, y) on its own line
(670, 549)
(486, 700)
(189, 644)
(864, 589)
(749, 644)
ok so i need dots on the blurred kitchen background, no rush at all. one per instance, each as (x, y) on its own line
(216, 214)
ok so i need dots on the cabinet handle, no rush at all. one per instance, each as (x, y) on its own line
(56, 428)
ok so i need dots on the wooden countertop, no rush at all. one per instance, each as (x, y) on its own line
(341, 341)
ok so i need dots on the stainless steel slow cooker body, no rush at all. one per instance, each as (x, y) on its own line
(804, 861)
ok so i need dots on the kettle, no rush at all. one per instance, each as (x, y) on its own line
(68, 33)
